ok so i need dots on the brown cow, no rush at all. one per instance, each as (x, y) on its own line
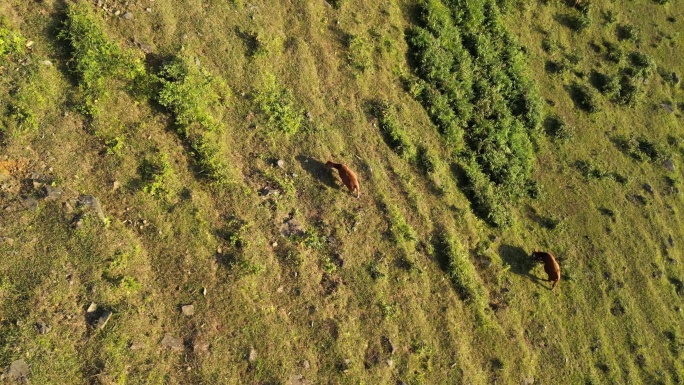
(347, 175)
(550, 266)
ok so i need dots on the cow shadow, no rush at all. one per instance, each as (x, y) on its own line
(317, 170)
(519, 262)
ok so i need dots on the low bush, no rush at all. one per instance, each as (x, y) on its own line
(96, 60)
(556, 128)
(394, 135)
(278, 104)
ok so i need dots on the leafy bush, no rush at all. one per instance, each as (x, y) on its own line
(578, 22)
(555, 127)
(155, 174)
(395, 136)
(97, 60)
(278, 104)
(627, 32)
(584, 98)
(401, 230)
(188, 93)
(461, 271)
(360, 55)
(640, 148)
(11, 43)
(425, 160)
(473, 84)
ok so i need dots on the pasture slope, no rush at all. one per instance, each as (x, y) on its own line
(166, 216)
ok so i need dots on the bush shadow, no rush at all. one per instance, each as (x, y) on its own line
(317, 170)
(519, 262)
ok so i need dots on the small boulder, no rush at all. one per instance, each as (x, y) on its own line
(188, 310)
(252, 355)
(171, 342)
(128, 16)
(42, 327)
(669, 165)
(18, 371)
(280, 163)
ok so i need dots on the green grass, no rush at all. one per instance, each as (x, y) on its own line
(479, 130)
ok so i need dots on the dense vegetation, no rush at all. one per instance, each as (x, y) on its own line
(166, 216)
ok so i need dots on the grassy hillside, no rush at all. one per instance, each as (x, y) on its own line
(166, 216)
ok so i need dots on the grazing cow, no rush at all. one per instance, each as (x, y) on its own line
(348, 177)
(550, 266)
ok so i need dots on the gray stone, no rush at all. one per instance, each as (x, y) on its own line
(128, 16)
(104, 318)
(42, 327)
(53, 193)
(669, 165)
(7, 240)
(387, 345)
(171, 342)
(46, 63)
(92, 308)
(528, 381)
(648, 188)
(92, 203)
(291, 228)
(668, 107)
(137, 346)
(18, 371)
(30, 204)
(306, 364)
(252, 355)
(188, 310)
(281, 163)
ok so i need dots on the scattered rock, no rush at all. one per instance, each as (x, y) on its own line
(669, 165)
(204, 291)
(266, 191)
(53, 193)
(309, 117)
(42, 327)
(280, 163)
(675, 78)
(306, 364)
(668, 107)
(92, 203)
(7, 240)
(172, 342)
(104, 318)
(128, 16)
(46, 63)
(77, 223)
(18, 371)
(291, 228)
(387, 345)
(200, 347)
(280, 289)
(137, 346)
(148, 9)
(116, 185)
(188, 310)
(528, 381)
(252, 355)
(389, 362)
(296, 379)
(29, 44)
(92, 308)
(30, 203)
(648, 188)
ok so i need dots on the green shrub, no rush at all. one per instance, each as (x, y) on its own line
(640, 148)
(460, 270)
(278, 104)
(627, 32)
(11, 43)
(96, 59)
(360, 53)
(577, 22)
(584, 98)
(394, 135)
(188, 93)
(555, 127)
(398, 226)
(425, 160)
(155, 174)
